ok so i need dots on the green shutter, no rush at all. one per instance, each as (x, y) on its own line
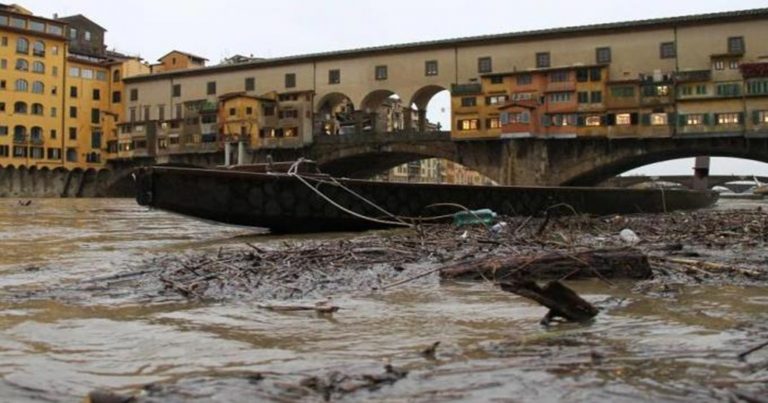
(546, 120)
(756, 117)
(682, 119)
(707, 119)
(645, 119)
(671, 116)
(581, 120)
(741, 118)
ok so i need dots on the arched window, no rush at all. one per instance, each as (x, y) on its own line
(20, 107)
(38, 67)
(38, 48)
(22, 65)
(22, 85)
(36, 134)
(19, 132)
(22, 46)
(38, 87)
(116, 76)
(37, 109)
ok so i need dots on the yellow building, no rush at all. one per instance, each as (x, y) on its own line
(61, 91)
(32, 63)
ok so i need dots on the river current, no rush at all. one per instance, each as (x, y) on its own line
(681, 347)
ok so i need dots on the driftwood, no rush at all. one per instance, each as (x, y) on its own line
(615, 263)
(561, 300)
(320, 308)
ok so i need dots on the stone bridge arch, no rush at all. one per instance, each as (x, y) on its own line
(610, 159)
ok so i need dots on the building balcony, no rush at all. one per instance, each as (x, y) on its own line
(20, 139)
(693, 76)
(37, 140)
(466, 89)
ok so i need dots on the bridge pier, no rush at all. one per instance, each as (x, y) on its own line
(701, 173)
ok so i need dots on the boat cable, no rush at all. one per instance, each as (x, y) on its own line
(293, 172)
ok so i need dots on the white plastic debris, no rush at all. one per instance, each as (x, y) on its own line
(498, 227)
(629, 236)
(465, 235)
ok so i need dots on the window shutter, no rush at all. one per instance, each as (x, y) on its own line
(682, 119)
(504, 118)
(603, 120)
(611, 119)
(756, 117)
(741, 118)
(671, 116)
(546, 121)
(581, 120)
(646, 119)
(707, 119)
(633, 118)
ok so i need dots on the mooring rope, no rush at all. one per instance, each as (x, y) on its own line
(293, 172)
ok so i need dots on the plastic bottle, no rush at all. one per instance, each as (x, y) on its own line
(484, 216)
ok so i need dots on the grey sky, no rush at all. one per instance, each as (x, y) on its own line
(218, 29)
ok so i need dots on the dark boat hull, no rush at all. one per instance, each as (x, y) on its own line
(284, 204)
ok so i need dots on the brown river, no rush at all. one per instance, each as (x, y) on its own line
(680, 346)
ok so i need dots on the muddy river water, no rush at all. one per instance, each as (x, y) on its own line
(675, 346)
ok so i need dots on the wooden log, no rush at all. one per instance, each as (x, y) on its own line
(614, 263)
(561, 300)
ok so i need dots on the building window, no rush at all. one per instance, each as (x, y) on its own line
(430, 68)
(736, 45)
(87, 35)
(595, 74)
(161, 113)
(116, 97)
(559, 97)
(733, 65)
(484, 65)
(623, 119)
(74, 72)
(492, 123)
(468, 101)
(73, 111)
(685, 90)
(3, 130)
(38, 87)
(718, 65)
(583, 97)
(524, 79)
(38, 49)
(22, 46)
(380, 72)
(3, 64)
(596, 97)
(72, 33)
(656, 91)
(73, 133)
(249, 110)
(497, 80)
(250, 84)
(54, 112)
(496, 99)
(582, 75)
(290, 80)
(176, 90)
(334, 76)
(761, 117)
(515, 117)
(757, 87)
(559, 76)
(701, 89)
(134, 94)
(22, 65)
(728, 118)
(20, 107)
(55, 71)
(603, 55)
(667, 50)
(53, 134)
(22, 85)
(116, 76)
(232, 111)
(2, 106)
(210, 88)
(592, 121)
(658, 119)
(38, 67)
(728, 90)
(37, 109)
(694, 120)
(564, 120)
(95, 116)
(468, 124)
(73, 92)
(542, 60)
(132, 114)
(147, 112)
(178, 111)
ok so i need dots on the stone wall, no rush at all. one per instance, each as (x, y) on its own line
(58, 182)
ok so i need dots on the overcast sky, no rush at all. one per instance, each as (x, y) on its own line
(218, 29)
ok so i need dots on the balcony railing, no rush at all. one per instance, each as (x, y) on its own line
(697, 75)
(20, 138)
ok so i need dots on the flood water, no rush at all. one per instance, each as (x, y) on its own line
(679, 346)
